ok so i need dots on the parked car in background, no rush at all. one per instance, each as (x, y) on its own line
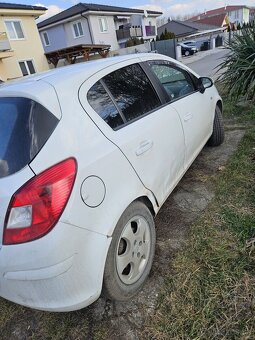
(88, 155)
(191, 43)
(187, 50)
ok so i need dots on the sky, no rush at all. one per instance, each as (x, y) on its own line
(170, 8)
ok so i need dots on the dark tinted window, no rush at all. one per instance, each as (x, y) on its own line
(25, 126)
(176, 82)
(103, 105)
(132, 91)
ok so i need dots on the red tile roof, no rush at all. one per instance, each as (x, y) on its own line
(217, 11)
(216, 20)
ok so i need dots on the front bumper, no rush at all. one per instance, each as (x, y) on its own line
(61, 271)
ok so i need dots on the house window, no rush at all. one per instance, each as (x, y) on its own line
(77, 29)
(27, 67)
(14, 29)
(236, 14)
(46, 39)
(103, 24)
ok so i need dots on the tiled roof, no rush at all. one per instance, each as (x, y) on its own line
(83, 7)
(216, 20)
(5, 5)
(201, 26)
(183, 28)
(179, 28)
(217, 11)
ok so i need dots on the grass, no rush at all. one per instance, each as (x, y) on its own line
(210, 292)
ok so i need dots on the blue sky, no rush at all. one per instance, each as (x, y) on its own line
(170, 8)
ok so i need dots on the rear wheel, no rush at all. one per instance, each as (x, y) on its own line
(130, 254)
(217, 137)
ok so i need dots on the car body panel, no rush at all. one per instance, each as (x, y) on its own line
(141, 141)
(50, 273)
(63, 270)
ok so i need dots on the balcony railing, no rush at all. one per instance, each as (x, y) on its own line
(129, 33)
(150, 30)
(4, 42)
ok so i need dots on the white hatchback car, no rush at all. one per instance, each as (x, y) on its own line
(88, 155)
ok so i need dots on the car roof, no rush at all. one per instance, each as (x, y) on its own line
(73, 76)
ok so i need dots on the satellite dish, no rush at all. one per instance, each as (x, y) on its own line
(145, 13)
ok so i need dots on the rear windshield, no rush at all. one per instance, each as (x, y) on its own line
(25, 126)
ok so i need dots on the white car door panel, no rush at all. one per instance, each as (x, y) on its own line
(145, 138)
(194, 108)
(196, 117)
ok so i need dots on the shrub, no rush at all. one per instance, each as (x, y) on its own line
(238, 67)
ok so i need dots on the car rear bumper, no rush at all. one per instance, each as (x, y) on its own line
(62, 271)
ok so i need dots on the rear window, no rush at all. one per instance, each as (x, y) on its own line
(25, 126)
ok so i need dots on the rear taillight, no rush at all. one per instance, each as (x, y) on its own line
(37, 206)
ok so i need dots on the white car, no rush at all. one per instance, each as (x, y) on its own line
(88, 155)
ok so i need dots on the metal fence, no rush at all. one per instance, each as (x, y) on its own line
(166, 47)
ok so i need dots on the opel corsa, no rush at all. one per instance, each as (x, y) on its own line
(88, 155)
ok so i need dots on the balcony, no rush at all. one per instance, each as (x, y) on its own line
(150, 30)
(5, 47)
(135, 31)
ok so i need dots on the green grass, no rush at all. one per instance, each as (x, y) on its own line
(210, 290)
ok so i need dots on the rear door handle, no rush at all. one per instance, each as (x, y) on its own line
(143, 147)
(188, 116)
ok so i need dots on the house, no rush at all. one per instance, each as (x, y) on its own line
(21, 51)
(252, 14)
(183, 29)
(92, 24)
(238, 14)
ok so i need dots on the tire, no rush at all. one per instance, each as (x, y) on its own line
(217, 137)
(130, 254)
(186, 53)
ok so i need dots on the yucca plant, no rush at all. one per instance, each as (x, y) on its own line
(238, 67)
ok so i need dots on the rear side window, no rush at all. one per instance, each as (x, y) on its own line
(132, 91)
(104, 106)
(25, 126)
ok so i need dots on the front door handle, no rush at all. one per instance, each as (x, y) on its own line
(188, 116)
(143, 147)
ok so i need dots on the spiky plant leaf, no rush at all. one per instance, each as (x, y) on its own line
(238, 67)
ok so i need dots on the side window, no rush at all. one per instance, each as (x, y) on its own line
(27, 67)
(176, 82)
(132, 91)
(103, 26)
(14, 29)
(77, 29)
(100, 101)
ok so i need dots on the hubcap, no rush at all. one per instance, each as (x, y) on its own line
(133, 250)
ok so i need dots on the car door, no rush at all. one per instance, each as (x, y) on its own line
(195, 108)
(149, 134)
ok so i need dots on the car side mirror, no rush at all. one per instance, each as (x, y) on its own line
(204, 83)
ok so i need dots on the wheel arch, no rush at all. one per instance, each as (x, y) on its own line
(220, 105)
(147, 202)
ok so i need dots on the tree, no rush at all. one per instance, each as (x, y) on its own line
(166, 35)
(133, 42)
(238, 67)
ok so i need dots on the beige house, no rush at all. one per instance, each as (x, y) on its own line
(21, 51)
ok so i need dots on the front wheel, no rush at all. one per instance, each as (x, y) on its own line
(130, 254)
(217, 137)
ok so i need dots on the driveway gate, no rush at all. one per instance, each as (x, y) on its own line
(166, 47)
